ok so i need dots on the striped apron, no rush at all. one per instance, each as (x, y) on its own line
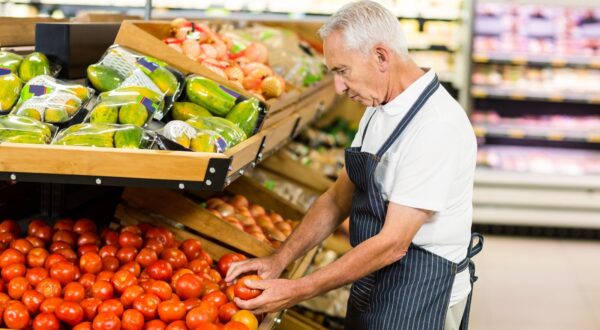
(414, 292)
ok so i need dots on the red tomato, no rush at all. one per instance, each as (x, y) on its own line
(44, 233)
(160, 270)
(69, 254)
(189, 286)
(227, 311)
(89, 238)
(53, 259)
(4, 298)
(68, 237)
(7, 238)
(191, 303)
(108, 250)
(218, 298)
(146, 257)
(87, 280)
(210, 287)
(104, 275)
(36, 257)
(50, 304)
(74, 291)
(132, 228)
(242, 291)
(170, 311)
(11, 256)
(130, 239)
(132, 267)
(192, 248)
(16, 315)
(147, 305)
(213, 276)
(110, 264)
(46, 321)
(206, 312)
(83, 326)
(130, 294)
(233, 325)
(178, 274)
(121, 280)
(17, 286)
(126, 254)
(32, 300)
(87, 248)
(36, 242)
(199, 266)
(90, 308)
(69, 312)
(64, 271)
(102, 290)
(203, 325)
(111, 306)
(177, 325)
(155, 325)
(90, 263)
(11, 271)
(58, 245)
(132, 320)
(226, 261)
(144, 227)
(106, 321)
(110, 237)
(22, 245)
(84, 225)
(161, 289)
(10, 226)
(164, 236)
(35, 224)
(64, 224)
(206, 257)
(175, 257)
(154, 244)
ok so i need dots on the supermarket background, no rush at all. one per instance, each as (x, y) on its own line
(528, 73)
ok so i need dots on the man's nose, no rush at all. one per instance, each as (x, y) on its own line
(340, 85)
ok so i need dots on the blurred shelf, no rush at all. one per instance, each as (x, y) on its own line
(538, 60)
(494, 92)
(434, 48)
(516, 132)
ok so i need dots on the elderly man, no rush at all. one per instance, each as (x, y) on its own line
(407, 188)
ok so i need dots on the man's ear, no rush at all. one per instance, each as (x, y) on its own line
(383, 57)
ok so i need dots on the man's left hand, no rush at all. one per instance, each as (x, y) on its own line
(277, 294)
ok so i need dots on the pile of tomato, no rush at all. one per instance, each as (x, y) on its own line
(71, 275)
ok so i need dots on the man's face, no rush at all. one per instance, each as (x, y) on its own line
(355, 74)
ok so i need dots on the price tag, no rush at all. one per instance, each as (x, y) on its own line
(479, 131)
(556, 136)
(480, 58)
(595, 64)
(594, 138)
(519, 60)
(556, 98)
(479, 92)
(558, 62)
(517, 96)
(515, 133)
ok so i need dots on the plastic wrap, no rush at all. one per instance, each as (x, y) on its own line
(126, 105)
(105, 136)
(199, 140)
(226, 129)
(17, 129)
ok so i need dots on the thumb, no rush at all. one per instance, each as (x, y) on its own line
(259, 284)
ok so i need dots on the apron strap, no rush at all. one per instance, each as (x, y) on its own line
(429, 90)
(362, 140)
(473, 249)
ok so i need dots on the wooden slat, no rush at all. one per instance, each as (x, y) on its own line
(285, 166)
(245, 153)
(279, 133)
(274, 118)
(290, 97)
(177, 207)
(20, 31)
(108, 162)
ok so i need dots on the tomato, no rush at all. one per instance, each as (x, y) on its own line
(203, 325)
(90, 308)
(226, 261)
(106, 321)
(84, 225)
(218, 298)
(32, 300)
(177, 325)
(34, 225)
(132, 228)
(87, 280)
(126, 254)
(16, 315)
(22, 245)
(154, 244)
(161, 289)
(242, 291)
(3, 299)
(64, 224)
(110, 264)
(104, 275)
(64, 271)
(53, 259)
(175, 257)
(233, 325)
(206, 312)
(89, 238)
(69, 254)
(132, 320)
(11, 256)
(191, 303)
(121, 280)
(247, 318)
(102, 290)
(164, 236)
(206, 257)
(90, 263)
(160, 270)
(146, 257)
(36, 257)
(87, 248)
(7, 238)
(46, 321)
(155, 325)
(74, 291)
(130, 239)
(59, 245)
(132, 267)
(83, 326)
(17, 286)
(10, 226)
(45, 233)
(227, 311)
(189, 286)
(108, 250)
(50, 304)
(36, 242)
(68, 237)
(110, 237)
(192, 248)
(199, 266)
(111, 306)
(178, 274)
(69, 312)
(130, 294)
(147, 305)
(210, 287)
(11, 271)
(213, 276)
(170, 311)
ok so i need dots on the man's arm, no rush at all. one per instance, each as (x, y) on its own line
(390, 245)
(320, 221)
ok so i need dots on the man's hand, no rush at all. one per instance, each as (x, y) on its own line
(267, 268)
(277, 294)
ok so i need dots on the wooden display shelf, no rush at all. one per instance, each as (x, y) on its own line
(20, 31)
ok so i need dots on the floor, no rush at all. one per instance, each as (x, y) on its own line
(537, 283)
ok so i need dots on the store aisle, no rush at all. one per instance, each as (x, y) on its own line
(533, 283)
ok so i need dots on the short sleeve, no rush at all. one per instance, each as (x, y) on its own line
(425, 173)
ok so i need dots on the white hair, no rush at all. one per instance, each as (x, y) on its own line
(364, 24)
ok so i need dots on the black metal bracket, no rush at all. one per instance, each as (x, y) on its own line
(295, 128)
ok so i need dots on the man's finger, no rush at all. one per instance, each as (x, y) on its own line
(259, 284)
(238, 268)
(249, 304)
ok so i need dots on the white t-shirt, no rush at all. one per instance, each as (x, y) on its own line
(430, 166)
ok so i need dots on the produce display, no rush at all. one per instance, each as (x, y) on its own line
(104, 136)
(18, 129)
(133, 105)
(243, 65)
(204, 134)
(292, 192)
(15, 70)
(74, 276)
(266, 226)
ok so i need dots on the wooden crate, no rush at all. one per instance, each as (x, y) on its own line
(20, 31)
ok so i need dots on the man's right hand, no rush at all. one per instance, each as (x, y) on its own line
(267, 268)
